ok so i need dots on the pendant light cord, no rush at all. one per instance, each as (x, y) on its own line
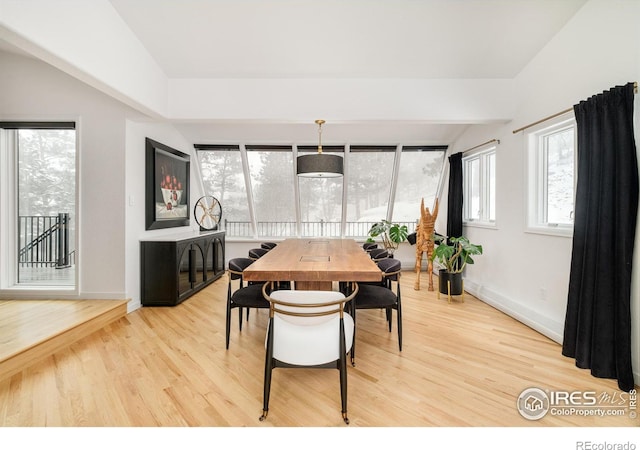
(319, 122)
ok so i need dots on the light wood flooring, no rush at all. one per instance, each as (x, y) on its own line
(31, 330)
(462, 365)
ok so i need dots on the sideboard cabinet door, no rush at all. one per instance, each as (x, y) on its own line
(173, 269)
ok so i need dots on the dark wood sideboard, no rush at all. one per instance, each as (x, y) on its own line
(172, 268)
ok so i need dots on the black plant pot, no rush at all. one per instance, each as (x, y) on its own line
(451, 281)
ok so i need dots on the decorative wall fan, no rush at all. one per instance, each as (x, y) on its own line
(208, 213)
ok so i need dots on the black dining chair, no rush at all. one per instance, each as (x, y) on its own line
(268, 245)
(380, 296)
(244, 295)
(378, 254)
(257, 253)
(368, 246)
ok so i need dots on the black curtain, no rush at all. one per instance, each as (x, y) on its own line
(597, 329)
(454, 200)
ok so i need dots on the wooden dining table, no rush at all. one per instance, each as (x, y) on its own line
(314, 264)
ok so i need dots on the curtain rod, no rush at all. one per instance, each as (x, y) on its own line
(497, 141)
(635, 90)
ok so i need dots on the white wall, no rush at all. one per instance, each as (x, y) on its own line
(33, 90)
(111, 165)
(136, 132)
(124, 70)
(599, 48)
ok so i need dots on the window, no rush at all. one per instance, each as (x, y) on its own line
(39, 204)
(262, 198)
(551, 177)
(271, 176)
(479, 187)
(418, 177)
(223, 178)
(321, 200)
(370, 172)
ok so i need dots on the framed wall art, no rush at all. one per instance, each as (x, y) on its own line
(167, 186)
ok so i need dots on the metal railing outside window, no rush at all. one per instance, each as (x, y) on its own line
(44, 241)
(288, 229)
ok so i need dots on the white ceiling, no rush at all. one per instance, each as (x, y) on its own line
(387, 40)
(344, 38)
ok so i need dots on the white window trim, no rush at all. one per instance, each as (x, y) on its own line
(534, 207)
(9, 287)
(482, 154)
(8, 274)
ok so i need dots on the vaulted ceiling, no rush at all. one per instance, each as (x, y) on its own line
(280, 58)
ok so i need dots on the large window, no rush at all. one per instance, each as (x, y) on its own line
(551, 177)
(418, 178)
(261, 197)
(271, 174)
(321, 200)
(38, 204)
(370, 172)
(223, 177)
(479, 187)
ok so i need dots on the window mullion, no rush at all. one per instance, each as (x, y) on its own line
(345, 196)
(394, 182)
(296, 191)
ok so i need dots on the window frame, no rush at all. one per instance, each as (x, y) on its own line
(348, 150)
(481, 155)
(9, 284)
(536, 209)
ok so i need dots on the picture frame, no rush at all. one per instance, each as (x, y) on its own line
(166, 186)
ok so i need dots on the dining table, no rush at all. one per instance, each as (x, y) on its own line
(314, 264)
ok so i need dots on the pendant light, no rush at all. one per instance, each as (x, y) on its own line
(320, 165)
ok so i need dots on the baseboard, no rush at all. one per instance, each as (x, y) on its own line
(542, 324)
(552, 329)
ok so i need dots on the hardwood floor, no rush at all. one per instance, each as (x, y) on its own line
(31, 330)
(462, 365)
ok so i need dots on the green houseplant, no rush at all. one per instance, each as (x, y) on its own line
(453, 254)
(392, 234)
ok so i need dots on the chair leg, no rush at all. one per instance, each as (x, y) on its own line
(389, 317)
(240, 309)
(343, 372)
(353, 343)
(228, 322)
(399, 314)
(268, 368)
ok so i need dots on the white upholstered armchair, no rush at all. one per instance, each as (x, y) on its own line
(308, 329)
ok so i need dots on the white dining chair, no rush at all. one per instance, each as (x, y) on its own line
(308, 329)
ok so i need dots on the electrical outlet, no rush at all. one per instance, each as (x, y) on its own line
(543, 294)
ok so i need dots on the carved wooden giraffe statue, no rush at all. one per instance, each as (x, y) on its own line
(424, 243)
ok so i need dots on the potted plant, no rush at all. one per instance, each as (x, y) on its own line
(453, 254)
(392, 234)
